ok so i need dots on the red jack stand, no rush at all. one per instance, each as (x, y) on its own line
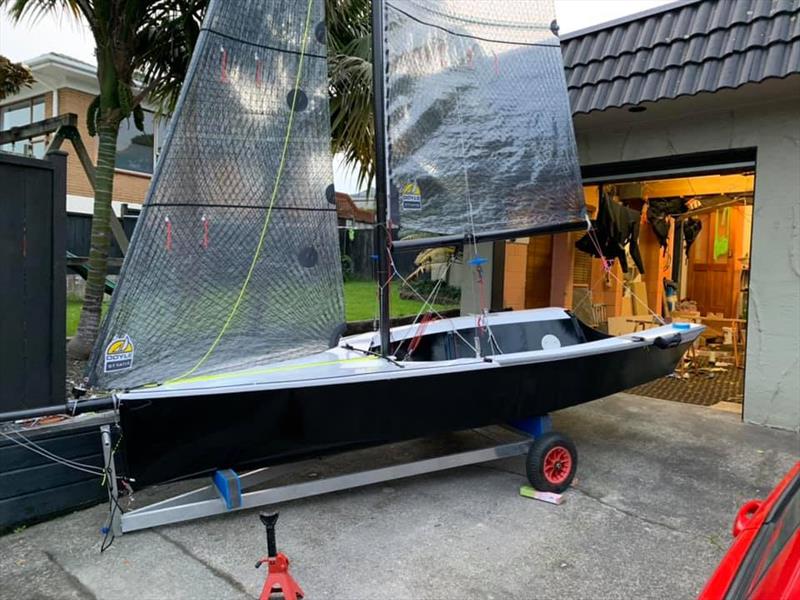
(279, 580)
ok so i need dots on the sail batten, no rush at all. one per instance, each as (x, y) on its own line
(235, 258)
(479, 128)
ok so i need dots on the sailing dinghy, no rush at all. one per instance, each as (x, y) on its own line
(223, 344)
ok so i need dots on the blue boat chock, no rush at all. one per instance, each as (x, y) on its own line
(229, 487)
(534, 426)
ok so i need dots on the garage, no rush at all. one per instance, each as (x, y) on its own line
(697, 129)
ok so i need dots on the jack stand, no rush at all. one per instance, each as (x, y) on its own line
(279, 580)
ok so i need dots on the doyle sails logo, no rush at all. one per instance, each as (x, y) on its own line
(118, 355)
(411, 197)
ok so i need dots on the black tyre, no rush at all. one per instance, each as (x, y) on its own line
(552, 462)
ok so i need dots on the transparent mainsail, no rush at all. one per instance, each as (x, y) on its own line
(235, 260)
(480, 134)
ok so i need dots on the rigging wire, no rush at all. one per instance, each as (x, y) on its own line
(608, 269)
(470, 209)
(430, 300)
(32, 446)
(37, 449)
(482, 320)
(434, 311)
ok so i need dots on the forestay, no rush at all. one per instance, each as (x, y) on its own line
(480, 135)
(235, 257)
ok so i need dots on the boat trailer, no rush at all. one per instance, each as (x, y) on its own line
(551, 464)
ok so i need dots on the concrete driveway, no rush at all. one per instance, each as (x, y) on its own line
(658, 486)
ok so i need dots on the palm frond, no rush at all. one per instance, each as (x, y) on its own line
(36, 9)
(350, 84)
(13, 77)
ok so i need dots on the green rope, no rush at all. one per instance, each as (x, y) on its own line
(264, 229)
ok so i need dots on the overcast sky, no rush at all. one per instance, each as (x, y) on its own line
(61, 33)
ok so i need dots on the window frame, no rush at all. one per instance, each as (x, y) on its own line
(30, 103)
(159, 124)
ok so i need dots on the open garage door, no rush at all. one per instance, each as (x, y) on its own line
(696, 214)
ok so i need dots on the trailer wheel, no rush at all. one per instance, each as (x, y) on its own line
(552, 462)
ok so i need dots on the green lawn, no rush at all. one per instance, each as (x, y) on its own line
(74, 315)
(359, 301)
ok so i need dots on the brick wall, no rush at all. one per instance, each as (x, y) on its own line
(128, 187)
(73, 101)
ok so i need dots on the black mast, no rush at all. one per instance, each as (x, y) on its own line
(381, 228)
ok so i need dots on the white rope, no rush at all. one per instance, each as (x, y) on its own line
(493, 339)
(35, 448)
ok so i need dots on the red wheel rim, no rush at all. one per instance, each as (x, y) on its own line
(557, 465)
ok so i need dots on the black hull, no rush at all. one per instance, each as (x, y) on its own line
(179, 437)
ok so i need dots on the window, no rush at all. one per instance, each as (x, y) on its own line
(135, 149)
(19, 114)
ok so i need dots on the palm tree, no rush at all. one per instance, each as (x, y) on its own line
(350, 81)
(141, 50)
(13, 77)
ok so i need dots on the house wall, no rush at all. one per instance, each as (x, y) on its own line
(767, 118)
(73, 101)
(128, 187)
(538, 271)
(464, 275)
(514, 280)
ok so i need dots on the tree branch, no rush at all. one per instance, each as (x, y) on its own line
(87, 12)
(145, 91)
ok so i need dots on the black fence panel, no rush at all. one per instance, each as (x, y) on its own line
(33, 487)
(32, 291)
(79, 233)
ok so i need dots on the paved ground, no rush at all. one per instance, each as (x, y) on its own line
(658, 485)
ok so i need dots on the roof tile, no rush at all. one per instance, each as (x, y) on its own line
(696, 47)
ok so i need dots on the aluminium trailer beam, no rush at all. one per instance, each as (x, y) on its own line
(208, 501)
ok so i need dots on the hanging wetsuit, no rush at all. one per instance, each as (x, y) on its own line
(658, 209)
(616, 226)
(691, 229)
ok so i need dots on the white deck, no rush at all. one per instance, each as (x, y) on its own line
(342, 366)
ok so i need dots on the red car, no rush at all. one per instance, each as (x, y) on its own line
(763, 563)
